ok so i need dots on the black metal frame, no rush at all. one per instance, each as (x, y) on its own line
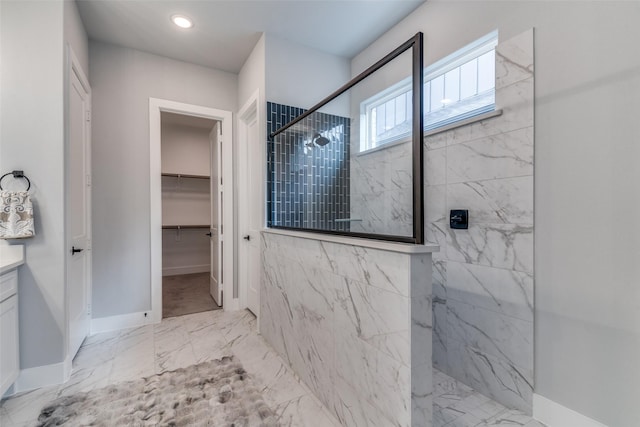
(416, 44)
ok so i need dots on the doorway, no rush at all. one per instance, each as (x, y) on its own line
(185, 220)
(190, 204)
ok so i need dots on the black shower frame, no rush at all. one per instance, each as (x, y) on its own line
(416, 44)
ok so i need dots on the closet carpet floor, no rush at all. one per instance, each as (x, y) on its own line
(186, 294)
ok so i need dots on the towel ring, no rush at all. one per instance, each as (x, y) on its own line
(16, 174)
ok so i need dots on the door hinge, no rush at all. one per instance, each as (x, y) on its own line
(88, 180)
(88, 115)
(89, 309)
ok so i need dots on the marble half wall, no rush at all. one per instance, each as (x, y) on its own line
(483, 277)
(354, 322)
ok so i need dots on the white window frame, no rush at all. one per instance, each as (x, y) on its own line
(450, 62)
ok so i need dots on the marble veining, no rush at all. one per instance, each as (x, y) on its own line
(352, 325)
(498, 156)
(496, 201)
(457, 405)
(515, 59)
(483, 278)
(507, 246)
(114, 357)
(494, 334)
(506, 292)
(381, 190)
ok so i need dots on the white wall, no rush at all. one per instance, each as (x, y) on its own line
(122, 81)
(587, 302)
(185, 149)
(253, 74)
(75, 34)
(300, 76)
(31, 139)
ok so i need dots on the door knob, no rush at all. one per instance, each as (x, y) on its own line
(247, 237)
(75, 250)
(209, 234)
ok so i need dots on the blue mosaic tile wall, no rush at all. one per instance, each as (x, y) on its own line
(307, 185)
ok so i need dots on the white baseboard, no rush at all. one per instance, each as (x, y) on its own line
(122, 321)
(554, 414)
(187, 269)
(42, 376)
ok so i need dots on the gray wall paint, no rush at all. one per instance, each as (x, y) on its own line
(587, 340)
(31, 138)
(300, 76)
(252, 74)
(122, 81)
(75, 34)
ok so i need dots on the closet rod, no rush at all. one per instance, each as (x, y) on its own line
(183, 175)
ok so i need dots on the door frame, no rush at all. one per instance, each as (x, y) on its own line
(73, 66)
(250, 110)
(156, 107)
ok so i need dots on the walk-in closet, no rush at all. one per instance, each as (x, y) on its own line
(187, 215)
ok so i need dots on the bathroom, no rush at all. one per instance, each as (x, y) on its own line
(526, 303)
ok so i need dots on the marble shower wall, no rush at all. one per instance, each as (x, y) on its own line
(382, 190)
(354, 323)
(483, 277)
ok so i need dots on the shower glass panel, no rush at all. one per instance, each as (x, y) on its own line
(352, 165)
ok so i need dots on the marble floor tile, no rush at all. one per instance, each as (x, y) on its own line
(278, 383)
(24, 408)
(304, 411)
(129, 354)
(84, 379)
(176, 342)
(457, 405)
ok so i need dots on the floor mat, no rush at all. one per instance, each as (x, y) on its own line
(216, 393)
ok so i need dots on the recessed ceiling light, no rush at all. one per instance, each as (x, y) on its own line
(182, 21)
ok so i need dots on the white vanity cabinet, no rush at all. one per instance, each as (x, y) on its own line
(9, 345)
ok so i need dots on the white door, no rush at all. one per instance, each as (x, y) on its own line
(215, 233)
(79, 209)
(252, 182)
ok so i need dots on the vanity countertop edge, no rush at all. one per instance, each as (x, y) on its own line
(11, 257)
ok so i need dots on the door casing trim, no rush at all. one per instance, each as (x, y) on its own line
(156, 107)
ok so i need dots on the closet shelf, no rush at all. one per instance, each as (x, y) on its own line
(184, 175)
(183, 227)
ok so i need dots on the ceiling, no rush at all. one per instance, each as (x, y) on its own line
(226, 31)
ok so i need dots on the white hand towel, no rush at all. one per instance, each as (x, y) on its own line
(16, 215)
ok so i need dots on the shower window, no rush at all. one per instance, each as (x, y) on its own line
(457, 87)
(318, 182)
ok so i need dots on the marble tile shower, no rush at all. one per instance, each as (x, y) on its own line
(483, 277)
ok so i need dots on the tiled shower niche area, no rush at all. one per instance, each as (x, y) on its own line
(308, 170)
